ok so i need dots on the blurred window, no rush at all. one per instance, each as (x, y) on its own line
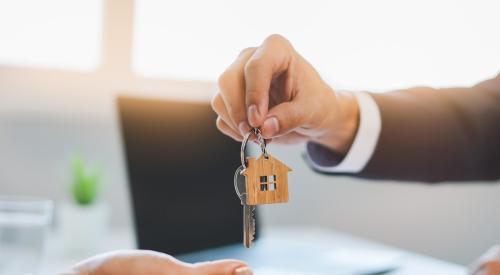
(51, 33)
(354, 44)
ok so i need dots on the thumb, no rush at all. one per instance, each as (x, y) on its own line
(223, 267)
(282, 119)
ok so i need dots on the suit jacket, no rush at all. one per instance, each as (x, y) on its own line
(434, 135)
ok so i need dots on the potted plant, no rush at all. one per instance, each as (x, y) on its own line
(84, 218)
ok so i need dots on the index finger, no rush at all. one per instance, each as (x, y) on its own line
(232, 88)
(270, 59)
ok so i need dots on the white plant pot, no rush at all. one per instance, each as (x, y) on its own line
(83, 228)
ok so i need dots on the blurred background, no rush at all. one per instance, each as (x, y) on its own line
(63, 62)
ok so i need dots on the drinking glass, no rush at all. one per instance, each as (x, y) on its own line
(24, 224)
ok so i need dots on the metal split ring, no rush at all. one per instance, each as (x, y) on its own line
(260, 139)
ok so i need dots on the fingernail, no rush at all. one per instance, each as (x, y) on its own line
(271, 127)
(244, 128)
(253, 114)
(243, 271)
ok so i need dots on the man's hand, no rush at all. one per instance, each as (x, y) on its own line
(139, 262)
(276, 89)
(488, 263)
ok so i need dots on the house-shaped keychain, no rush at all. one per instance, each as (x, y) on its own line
(266, 180)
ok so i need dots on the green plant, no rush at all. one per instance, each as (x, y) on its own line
(86, 183)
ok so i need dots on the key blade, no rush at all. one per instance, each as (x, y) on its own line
(246, 239)
(248, 224)
(252, 222)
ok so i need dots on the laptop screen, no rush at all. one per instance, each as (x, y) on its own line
(180, 170)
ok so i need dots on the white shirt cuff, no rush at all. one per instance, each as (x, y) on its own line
(364, 143)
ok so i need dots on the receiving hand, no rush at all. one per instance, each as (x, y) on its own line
(488, 263)
(138, 262)
(276, 89)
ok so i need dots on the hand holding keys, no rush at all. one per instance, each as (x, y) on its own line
(259, 181)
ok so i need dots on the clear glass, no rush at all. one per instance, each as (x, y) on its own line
(24, 224)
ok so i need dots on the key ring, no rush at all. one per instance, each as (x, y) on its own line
(260, 139)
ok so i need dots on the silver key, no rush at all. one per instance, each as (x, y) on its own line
(248, 210)
(248, 225)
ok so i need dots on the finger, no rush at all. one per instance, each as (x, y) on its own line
(488, 268)
(227, 130)
(283, 118)
(492, 267)
(223, 267)
(220, 109)
(493, 254)
(132, 262)
(232, 89)
(270, 59)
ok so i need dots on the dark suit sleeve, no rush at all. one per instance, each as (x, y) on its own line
(434, 135)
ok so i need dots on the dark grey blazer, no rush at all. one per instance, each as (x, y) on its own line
(434, 135)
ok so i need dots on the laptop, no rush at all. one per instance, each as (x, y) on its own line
(180, 171)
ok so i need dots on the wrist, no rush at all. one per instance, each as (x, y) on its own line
(341, 123)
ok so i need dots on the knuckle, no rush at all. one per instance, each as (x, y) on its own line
(225, 79)
(277, 39)
(253, 65)
(220, 124)
(492, 265)
(219, 121)
(277, 43)
(214, 103)
(247, 50)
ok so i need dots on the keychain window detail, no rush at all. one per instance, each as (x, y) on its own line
(268, 183)
(263, 183)
(272, 183)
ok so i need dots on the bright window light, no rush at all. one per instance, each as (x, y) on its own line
(51, 33)
(375, 45)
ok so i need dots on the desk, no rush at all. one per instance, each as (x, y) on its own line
(301, 251)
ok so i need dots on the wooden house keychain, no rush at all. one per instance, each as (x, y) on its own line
(262, 180)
